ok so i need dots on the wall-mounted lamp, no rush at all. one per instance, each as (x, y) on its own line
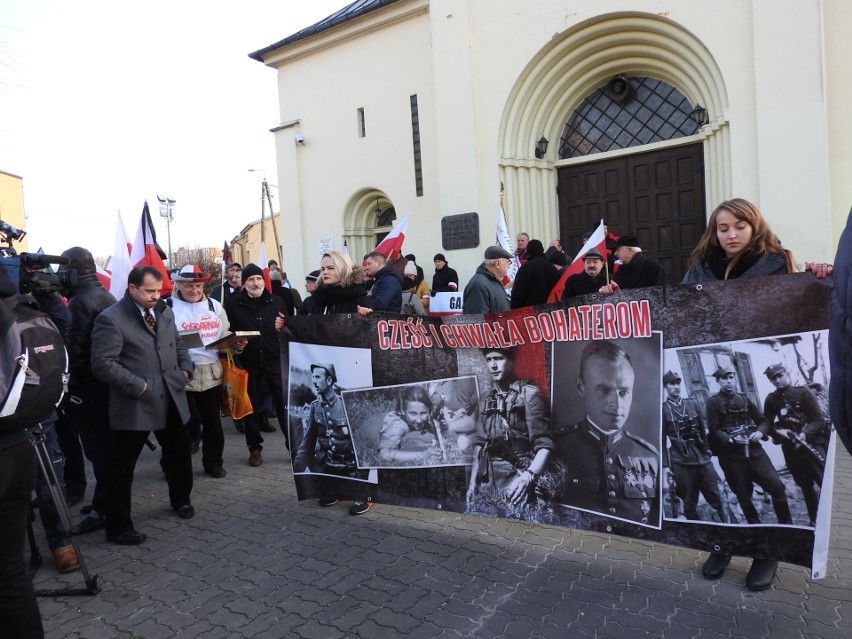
(541, 147)
(699, 115)
(300, 139)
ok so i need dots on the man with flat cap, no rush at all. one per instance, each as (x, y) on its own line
(608, 469)
(689, 454)
(736, 429)
(797, 422)
(484, 292)
(636, 270)
(590, 280)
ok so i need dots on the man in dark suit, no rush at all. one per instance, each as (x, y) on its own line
(137, 350)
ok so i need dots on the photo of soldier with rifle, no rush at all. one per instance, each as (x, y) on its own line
(690, 467)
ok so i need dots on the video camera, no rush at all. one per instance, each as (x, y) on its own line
(22, 272)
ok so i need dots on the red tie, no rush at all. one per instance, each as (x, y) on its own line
(152, 322)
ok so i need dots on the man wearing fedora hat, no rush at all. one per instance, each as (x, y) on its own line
(590, 280)
(194, 311)
(636, 270)
(484, 292)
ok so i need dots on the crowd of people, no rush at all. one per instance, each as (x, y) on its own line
(131, 374)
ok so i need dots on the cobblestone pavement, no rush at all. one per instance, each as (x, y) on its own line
(255, 563)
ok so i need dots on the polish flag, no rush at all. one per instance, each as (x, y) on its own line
(596, 240)
(119, 264)
(145, 251)
(103, 275)
(264, 266)
(505, 242)
(391, 246)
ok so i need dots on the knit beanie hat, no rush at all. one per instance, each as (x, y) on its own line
(250, 270)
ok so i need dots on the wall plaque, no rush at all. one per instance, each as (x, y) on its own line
(460, 231)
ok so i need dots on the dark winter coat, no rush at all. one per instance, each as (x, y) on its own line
(639, 273)
(442, 279)
(345, 297)
(484, 294)
(840, 339)
(583, 284)
(387, 291)
(127, 356)
(257, 314)
(533, 282)
(85, 303)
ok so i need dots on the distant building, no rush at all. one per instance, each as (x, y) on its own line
(569, 110)
(12, 205)
(245, 247)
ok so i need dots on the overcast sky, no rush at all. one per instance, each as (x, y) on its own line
(104, 104)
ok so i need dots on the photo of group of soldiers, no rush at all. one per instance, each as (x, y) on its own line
(747, 448)
(594, 437)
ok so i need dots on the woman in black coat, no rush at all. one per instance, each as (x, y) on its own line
(340, 288)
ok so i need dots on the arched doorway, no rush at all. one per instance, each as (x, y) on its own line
(369, 217)
(552, 89)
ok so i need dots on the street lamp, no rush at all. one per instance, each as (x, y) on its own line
(166, 205)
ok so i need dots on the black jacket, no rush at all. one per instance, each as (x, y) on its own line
(534, 281)
(85, 303)
(328, 300)
(286, 296)
(639, 273)
(442, 278)
(582, 284)
(256, 314)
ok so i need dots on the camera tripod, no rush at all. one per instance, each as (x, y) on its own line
(37, 439)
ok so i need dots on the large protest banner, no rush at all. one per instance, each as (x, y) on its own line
(559, 414)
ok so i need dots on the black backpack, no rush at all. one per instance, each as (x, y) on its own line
(33, 364)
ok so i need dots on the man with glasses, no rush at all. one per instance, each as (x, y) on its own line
(484, 292)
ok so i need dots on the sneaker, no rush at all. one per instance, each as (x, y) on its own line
(65, 558)
(328, 501)
(266, 427)
(360, 507)
(216, 472)
(90, 524)
(255, 459)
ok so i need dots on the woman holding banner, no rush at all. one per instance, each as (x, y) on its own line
(738, 242)
(340, 289)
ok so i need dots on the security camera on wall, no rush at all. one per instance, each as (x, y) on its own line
(300, 139)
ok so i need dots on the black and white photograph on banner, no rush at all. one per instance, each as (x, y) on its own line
(320, 436)
(606, 427)
(750, 417)
(421, 425)
(511, 474)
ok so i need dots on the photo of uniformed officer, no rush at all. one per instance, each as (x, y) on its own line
(607, 427)
(689, 462)
(319, 424)
(798, 423)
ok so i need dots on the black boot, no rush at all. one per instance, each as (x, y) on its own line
(761, 574)
(715, 565)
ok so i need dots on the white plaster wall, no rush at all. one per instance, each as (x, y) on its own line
(789, 146)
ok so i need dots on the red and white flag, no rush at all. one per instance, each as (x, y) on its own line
(119, 264)
(391, 246)
(103, 275)
(264, 266)
(505, 242)
(145, 251)
(596, 240)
